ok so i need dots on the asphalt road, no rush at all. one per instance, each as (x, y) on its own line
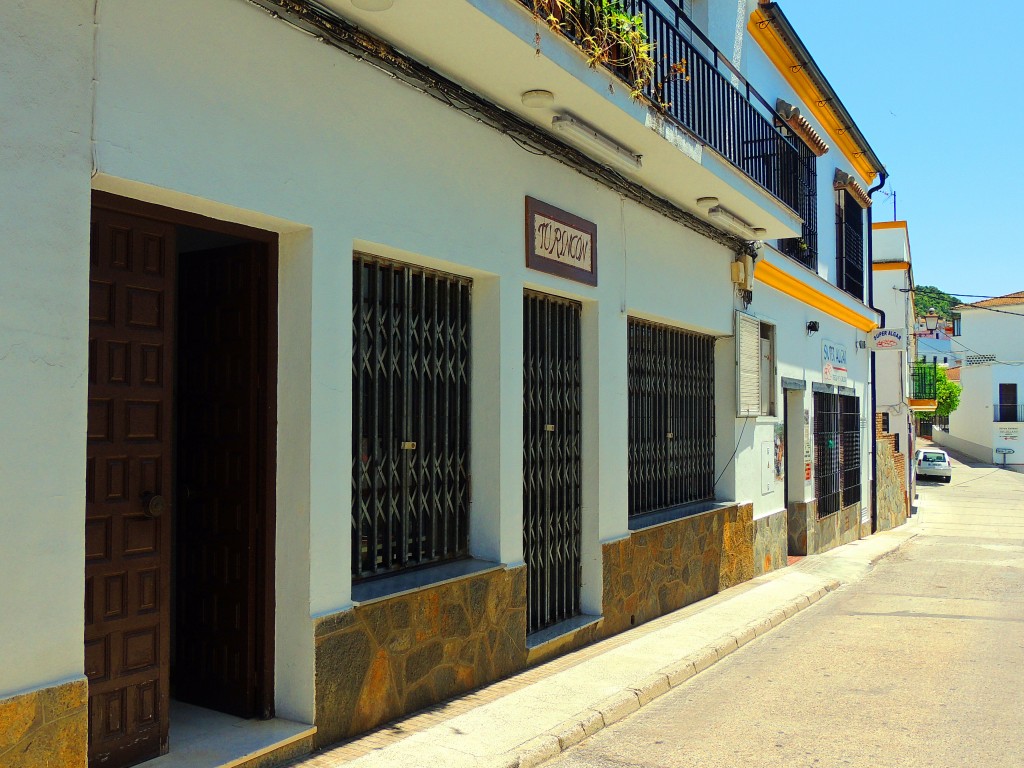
(921, 663)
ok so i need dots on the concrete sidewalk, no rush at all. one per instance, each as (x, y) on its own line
(533, 716)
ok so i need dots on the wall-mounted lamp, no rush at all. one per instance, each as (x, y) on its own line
(812, 327)
(931, 320)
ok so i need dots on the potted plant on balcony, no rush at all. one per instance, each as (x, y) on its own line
(607, 34)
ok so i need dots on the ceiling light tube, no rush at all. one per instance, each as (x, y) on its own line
(734, 223)
(593, 138)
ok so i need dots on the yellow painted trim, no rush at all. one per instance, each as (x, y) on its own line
(888, 225)
(778, 52)
(782, 281)
(923, 405)
(883, 266)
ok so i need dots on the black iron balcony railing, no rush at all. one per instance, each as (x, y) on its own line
(923, 377)
(720, 107)
(1007, 412)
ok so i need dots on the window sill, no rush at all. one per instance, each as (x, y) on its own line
(558, 631)
(670, 515)
(423, 578)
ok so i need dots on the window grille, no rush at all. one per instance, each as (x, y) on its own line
(804, 249)
(671, 416)
(849, 458)
(849, 245)
(837, 444)
(827, 434)
(410, 417)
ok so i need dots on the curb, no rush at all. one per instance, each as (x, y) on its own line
(593, 719)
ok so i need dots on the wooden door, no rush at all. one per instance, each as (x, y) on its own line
(128, 487)
(220, 511)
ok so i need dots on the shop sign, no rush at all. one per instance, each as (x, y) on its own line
(887, 339)
(833, 363)
(559, 243)
(1009, 434)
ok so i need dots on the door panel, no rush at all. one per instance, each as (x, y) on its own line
(128, 474)
(551, 459)
(219, 465)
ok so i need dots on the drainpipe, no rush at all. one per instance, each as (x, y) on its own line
(882, 177)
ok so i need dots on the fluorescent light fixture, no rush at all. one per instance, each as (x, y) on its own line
(593, 138)
(735, 224)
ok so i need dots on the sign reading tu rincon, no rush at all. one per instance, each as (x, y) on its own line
(559, 243)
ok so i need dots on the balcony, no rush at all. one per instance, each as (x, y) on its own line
(1007, 412)
(923, 385)
(704, 94)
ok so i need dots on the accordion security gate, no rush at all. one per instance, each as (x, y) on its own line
(410, 417)
(551, 459)
(671, 417)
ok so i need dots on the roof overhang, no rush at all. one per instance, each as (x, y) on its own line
(771, 29)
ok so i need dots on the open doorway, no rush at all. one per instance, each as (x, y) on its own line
(181, 467)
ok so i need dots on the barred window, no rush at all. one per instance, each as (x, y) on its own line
(836, 451)
(827, 475)
(849, 458)
(804, 249)
(849, 245)
(410, 417)
(671, 417)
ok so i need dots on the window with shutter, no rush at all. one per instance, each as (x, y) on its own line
(748, 365)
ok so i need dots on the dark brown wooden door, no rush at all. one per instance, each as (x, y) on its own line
(219, 514)
(129, 472)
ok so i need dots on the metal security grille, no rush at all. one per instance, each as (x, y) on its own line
(410, 417)
(804, 249)
(850, 245)
(551, 458)
(671, 417)
(849, 458)
(827, 435)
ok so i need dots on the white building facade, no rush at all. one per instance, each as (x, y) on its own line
(899, 378)
(987, 423)
(356, 359)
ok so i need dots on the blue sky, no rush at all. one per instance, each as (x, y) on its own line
(935, 87)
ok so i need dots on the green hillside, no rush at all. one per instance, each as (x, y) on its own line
(927, 296)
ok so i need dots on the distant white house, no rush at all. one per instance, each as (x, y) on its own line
(987, 424)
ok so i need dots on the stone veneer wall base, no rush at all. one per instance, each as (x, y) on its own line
(396, 655)
(46, 728)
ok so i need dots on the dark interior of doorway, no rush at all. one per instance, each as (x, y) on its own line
(221, 617)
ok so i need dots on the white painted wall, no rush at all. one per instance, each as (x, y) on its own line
(799, 357)
(986, 332)
(973, 420)
(242, 118)
(46, 58)
(287, 128)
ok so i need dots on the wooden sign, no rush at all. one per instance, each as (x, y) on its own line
(559, 243)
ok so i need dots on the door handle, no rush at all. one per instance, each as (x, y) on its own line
(153, 504)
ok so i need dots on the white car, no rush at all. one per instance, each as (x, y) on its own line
(933, 463)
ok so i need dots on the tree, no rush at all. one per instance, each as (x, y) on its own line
(928, 296)
(947, 396)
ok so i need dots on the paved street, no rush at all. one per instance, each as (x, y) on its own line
(921, 663)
